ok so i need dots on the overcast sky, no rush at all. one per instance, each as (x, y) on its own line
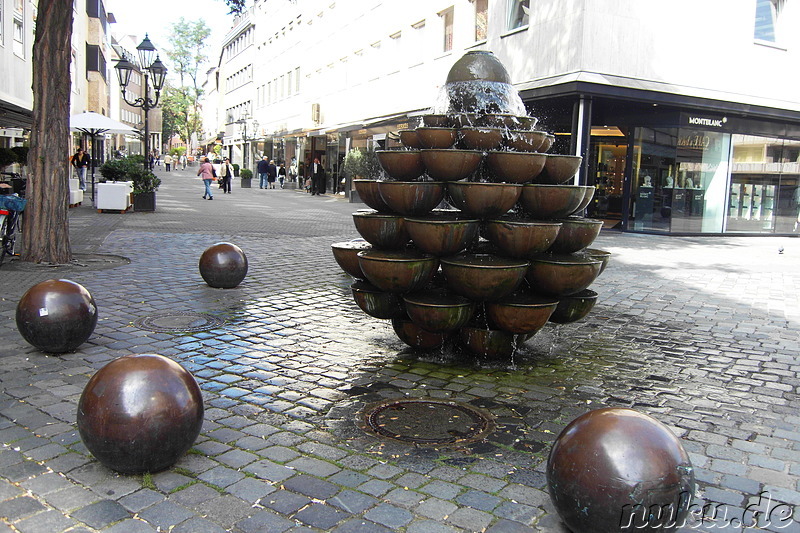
(156, 17)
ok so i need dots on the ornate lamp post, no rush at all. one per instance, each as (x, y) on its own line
(245, 139)
(148, 67)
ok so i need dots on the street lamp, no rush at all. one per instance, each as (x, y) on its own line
(148, 67)
(245, 139)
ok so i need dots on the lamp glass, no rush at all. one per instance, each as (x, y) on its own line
(159, 73)
(147, 52)
(124, 69)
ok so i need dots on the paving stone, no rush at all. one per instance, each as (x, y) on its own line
(270, 471)
(470, 519)
(19, 507)
(221, 476)
(48, 521)
(264, 521)
(311, 487)
(194, 495)
(429, 526)
(353, 502)
(141, 499)
(361, 526)
(436, 509)
(71, 498)
(198, 525)
(285, 502)
(101, 514)
(250, 489)
(312, 466)
(131, 526)
(320, 516)
(389, 515)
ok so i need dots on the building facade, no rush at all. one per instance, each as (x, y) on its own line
(16, 60)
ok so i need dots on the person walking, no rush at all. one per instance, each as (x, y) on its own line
(317, 178)
(183, 161)
(81, 162)
(272, 174)
(261, 168)
(206, 173)
(167, 162)
(225, 176)
(282, 174)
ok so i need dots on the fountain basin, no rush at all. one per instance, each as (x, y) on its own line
(522, 239)
(381, 230)
(492, 343)
(551, 201)
(524, 141)
(484, 200)
(397, 271)
(375, 302)
(483, 277)
(559, 169)
(516, 167)
(411, 198)
(436, 120)
(368, 192)
(437, 137)
(442, 234)
(476, 138)
(576, 234)
(601, 255)
(574, 307)
(587, 198)
(548, 143)
(521, 313)
(409, 138)
(560, 275)
(415, 336)
(451, 165)
(346, 255)
(401, 164)
(439, 310)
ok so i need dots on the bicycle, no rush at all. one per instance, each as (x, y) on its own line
(11, 208)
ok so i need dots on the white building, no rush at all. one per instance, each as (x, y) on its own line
(16, 60)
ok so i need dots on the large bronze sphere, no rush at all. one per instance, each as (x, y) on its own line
(223, 266)
(140, 413)
(56, 315)
(614, 467)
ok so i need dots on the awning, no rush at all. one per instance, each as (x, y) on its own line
(93, 124)
(14, 116)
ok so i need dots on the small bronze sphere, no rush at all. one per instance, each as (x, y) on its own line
(56, 316)
(140, 413)
(223, 265)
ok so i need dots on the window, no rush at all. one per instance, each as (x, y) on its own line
(1, 24)
(767, 14)
(95, 62)
(18, 28)
(481, 19)
(518, 13)
(447, 22)
(297, 80)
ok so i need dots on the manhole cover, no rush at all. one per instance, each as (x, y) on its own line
(178, 322)
(428, 422)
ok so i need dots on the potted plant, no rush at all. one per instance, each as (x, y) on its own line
(360, 164)
(145, 185)
(246, 175)
(236, 169)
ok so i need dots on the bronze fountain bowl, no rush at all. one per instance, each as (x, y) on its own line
(523, 140)
(451, 165)
(409, 138)
(375, 302)
(414, 198)
(477, 138)
(560, 275)
(587, 198)
(574, 307)
(438, 310)
(526, 122)
(491, 343)
(521, 312)
(416, 337)
(602, 255)
(522, 238)
(442, 233)
(576, 234)
(397, 271)
(559, 169)
(382, 230)
(484, 200)
(483, 277)
(433, 120)
(368, 192)
(548, 142)
(346, 255)
(436, 136)
(551, 201)
(516, 167)
(401, 164)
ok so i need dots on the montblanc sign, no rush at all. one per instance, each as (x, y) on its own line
(710, 122)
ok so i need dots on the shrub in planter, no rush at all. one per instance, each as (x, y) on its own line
(143, 180)
(236, 169)
(7, 157)
(246, 174)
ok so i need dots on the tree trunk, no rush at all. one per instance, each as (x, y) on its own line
(46, 226)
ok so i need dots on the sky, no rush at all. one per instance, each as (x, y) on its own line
(156, 17)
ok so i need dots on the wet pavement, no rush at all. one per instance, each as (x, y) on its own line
(700, 333)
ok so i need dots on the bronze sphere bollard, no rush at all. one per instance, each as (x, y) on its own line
(223, 266)
(56, 316)
(140, 413)
(610, 468)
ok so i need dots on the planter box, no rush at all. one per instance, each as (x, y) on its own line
(246, 183)
(145, 201)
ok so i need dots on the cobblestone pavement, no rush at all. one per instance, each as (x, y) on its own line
(701, 333)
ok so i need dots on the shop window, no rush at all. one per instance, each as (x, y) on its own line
(481, 19)
(767, 15)
(518, 13)
(447, 22)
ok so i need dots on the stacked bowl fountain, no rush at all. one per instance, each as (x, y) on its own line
(477, 233)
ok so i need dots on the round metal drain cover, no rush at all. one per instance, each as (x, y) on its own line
(428, 422)
(178, 322)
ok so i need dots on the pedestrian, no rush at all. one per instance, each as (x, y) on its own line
(261, 168)
(206, 173)
(167, 162)
(225, 175)
(293, 170)
(272, 173)
(81, 162)
(282, 174)
(317, 178)
(183, 161)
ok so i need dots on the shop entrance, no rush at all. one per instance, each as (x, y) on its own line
(607, 155)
